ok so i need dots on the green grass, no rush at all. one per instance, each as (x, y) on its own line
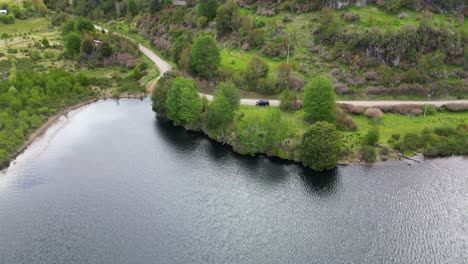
(392, 124)
(237, 60)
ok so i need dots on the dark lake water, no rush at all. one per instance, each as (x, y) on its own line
(113, 184)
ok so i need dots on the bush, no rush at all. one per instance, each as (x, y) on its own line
(429, 109)
(372, 137)
(344, 122)
(373, 112)
(7, 19)
(353, 109)
(36, 54)
(368, 153)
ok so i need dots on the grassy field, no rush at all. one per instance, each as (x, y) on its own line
(391, 124)
(24, 33)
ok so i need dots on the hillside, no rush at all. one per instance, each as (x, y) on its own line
(369, 52)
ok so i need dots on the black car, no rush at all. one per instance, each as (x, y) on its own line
(262, 103)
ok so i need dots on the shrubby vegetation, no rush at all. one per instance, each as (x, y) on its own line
(28, 98)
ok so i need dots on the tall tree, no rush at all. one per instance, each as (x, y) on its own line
(183, 102)
(132, 8)
(228, 18)
(207, 8)
(73, 44)
(205, 57)
(321, 146)
(319, 100)
(231, 92)
(159, 93)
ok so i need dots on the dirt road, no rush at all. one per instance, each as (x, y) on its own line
(164, 67)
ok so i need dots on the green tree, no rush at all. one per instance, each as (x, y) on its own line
(205, 57)
(231, 92)
(228, 18)
(321, 146)
(132, 8)
(105, 50)
(288, 100)
(45, 42)
(183, 102)
(219, 113)
(256, 70)
(155, 6)
(87, 47)
(319, 100)
(207, 8)
(73, 44)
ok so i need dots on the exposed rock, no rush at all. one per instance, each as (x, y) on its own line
(403, 16)
(371, 76)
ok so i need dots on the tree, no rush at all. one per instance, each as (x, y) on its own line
(288, 100)
(207, 8)
(205, 57)
(228, 18)
(132, 8)
(105, 50)
(87, 47)
(321, 146)
(219, 113)
(231, 92)
(256, 69)
(183, 102)
(155, 6)
(73, 44)
(160, 91)
(180, 43)
(283, 75)
(45, 42)
(319, 100)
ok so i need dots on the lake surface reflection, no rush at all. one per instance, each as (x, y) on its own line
(113, 184)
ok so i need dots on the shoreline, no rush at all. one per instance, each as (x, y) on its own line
(53, 119)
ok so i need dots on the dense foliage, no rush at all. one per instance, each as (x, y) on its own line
(319, 100)
(29, 97)
(321, 146)
(183, 103)
(205, 58)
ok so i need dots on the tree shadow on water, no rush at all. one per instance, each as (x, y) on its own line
(178, 137)
(320, 183)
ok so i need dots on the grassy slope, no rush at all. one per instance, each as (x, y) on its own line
(392, 124)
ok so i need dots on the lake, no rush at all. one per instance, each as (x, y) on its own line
(111, 183)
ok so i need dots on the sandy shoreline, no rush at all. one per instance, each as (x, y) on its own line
(51, 120)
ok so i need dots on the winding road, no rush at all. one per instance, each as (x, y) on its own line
(164, 67)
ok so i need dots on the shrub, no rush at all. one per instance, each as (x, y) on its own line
(368, 153)
(353, 109)
(429, 109)
(373, 112)
(344, 122)
(372, 136)
(36, 54)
